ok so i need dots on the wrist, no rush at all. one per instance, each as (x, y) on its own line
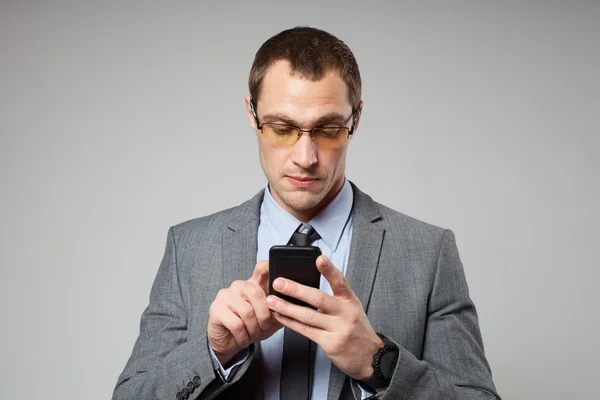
(383, 366)
(368, 370)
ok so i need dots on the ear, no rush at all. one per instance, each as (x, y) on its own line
(249, 111)
(360, 108)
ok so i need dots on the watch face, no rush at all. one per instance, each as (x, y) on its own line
(387, 363)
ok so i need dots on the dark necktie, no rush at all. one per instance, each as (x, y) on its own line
(296, 371)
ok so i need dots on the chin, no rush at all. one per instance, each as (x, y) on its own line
(301, 200)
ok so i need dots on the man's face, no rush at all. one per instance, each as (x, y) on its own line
(304, 176)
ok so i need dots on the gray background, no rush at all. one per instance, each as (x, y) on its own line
(118, 120)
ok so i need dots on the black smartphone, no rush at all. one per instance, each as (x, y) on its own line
(298, 263)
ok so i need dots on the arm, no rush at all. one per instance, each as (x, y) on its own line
(453, 364)
(164, 361)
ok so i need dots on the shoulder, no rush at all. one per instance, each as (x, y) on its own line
(396, 223)
(406, 236)
(214, 225)
(215, 221)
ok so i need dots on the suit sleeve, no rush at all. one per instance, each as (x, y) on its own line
(164, 362)
(453, 364)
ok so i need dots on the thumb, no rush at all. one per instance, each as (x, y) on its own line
(338, 282)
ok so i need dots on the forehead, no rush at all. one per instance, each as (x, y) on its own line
(282, 92)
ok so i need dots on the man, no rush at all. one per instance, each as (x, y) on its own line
(392, 318)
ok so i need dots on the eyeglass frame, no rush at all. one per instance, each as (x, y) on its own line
(355, 113)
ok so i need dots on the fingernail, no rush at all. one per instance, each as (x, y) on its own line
(278, 284)
(271, 300)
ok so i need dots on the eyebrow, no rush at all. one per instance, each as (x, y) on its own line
(333, 117)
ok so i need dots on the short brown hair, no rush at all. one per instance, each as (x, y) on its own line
(311, 53)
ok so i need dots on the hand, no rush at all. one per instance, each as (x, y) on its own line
(239, 315)
(340, 327)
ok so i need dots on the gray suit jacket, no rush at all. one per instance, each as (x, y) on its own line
(407, 275)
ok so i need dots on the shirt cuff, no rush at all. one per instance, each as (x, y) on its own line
(365, 393)
(224, 374)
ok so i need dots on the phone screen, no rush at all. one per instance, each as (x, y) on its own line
(297, 263)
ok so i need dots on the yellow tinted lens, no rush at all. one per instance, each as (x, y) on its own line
(280, 133)
(288, 134)
(330, 137)
(329, 133)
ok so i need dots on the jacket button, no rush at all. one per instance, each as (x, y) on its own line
(191, 387)
(179, 396)
(196, 381)
(185, 394)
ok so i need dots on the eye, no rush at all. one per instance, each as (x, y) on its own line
(332, 132)
(283, 129)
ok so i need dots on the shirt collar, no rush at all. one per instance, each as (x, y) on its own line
(330, 222)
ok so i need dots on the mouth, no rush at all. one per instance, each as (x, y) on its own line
(301, 181)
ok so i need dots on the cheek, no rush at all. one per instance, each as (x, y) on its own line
(272, 158)
(334, 161)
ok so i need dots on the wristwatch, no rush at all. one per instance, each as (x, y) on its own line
(384, 365)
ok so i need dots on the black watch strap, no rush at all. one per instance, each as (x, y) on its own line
(384, 365)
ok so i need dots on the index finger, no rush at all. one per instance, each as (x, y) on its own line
(338, 282)
(260, 275)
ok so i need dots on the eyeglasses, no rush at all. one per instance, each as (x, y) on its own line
(284, 134)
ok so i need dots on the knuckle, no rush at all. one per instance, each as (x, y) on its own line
(354, 317)
(247, 311)
(343, 284)
(237, 327)
(320, 300)
(221, 298)
(262, 266)
(263, 315)
(307, 329)
(346, 336)
(310, 316)
(236, 284)
(336, 346)
(255, 292)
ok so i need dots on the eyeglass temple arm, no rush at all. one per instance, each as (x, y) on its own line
(354, 120)
(253, 110)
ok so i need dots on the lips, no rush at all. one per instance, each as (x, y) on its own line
(301, 181)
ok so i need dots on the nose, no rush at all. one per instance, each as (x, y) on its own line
(304, 153)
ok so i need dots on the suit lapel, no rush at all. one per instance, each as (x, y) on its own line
(239, 242)
(365, 248)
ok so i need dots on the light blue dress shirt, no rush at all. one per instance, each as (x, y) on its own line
(334, 225)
